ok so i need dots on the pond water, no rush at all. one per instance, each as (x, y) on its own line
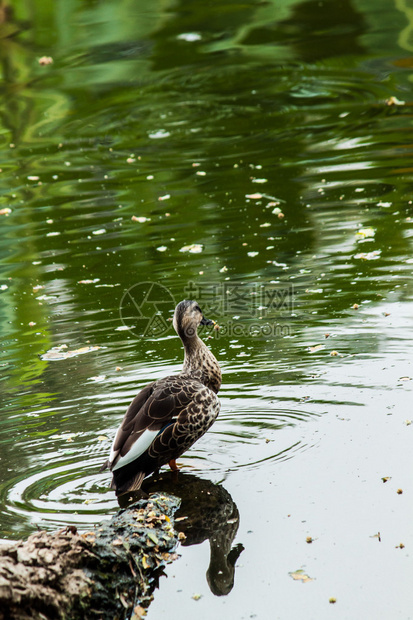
(255, 156)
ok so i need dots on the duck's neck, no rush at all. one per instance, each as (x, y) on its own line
(201, 363)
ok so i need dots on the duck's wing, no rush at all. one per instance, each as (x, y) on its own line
(154, 410)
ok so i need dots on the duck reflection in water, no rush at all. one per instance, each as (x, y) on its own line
(206, 511)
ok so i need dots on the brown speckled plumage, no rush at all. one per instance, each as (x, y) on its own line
(171, 413)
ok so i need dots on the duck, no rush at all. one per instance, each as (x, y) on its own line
(169, 415)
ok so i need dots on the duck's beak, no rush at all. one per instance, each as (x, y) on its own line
(205, 321)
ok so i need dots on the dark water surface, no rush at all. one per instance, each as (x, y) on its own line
(257, 156)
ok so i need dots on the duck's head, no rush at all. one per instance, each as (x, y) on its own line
(187, 318)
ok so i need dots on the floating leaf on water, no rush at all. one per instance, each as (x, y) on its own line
(196, 597)
(190, 37)
(399, 491)
(334, 353)
(355, 306)
(365, 233)
(223, 269)
(162, 248)
(45, 60)
(141, 220)
(100, 231)
(407, 422)
(259, 180)
(5, 211)
(368, 255)
(315, 348)
(89, 281)
(165, 197)
(394, 101)
(194, 248)
(61, 352)
(252, 254)
(332, 600)
(256, 196)
(300, 575)
(102, 438)
(386, 478)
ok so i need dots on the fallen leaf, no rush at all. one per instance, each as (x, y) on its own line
(194, 248)
(60, 352)
(141, 220)
(299, 575)
(368, 255)
(45, 60)
(89, 281)
(365, 233)
(152, 536)
(5, 211)
(117, 542)
(394, 101)
(138, 613)
(315, 348)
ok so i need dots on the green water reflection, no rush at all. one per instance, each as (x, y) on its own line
(207, 147)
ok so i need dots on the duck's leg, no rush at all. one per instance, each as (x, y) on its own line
(172, 464)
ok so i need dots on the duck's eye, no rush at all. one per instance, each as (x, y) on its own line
(198, 308)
